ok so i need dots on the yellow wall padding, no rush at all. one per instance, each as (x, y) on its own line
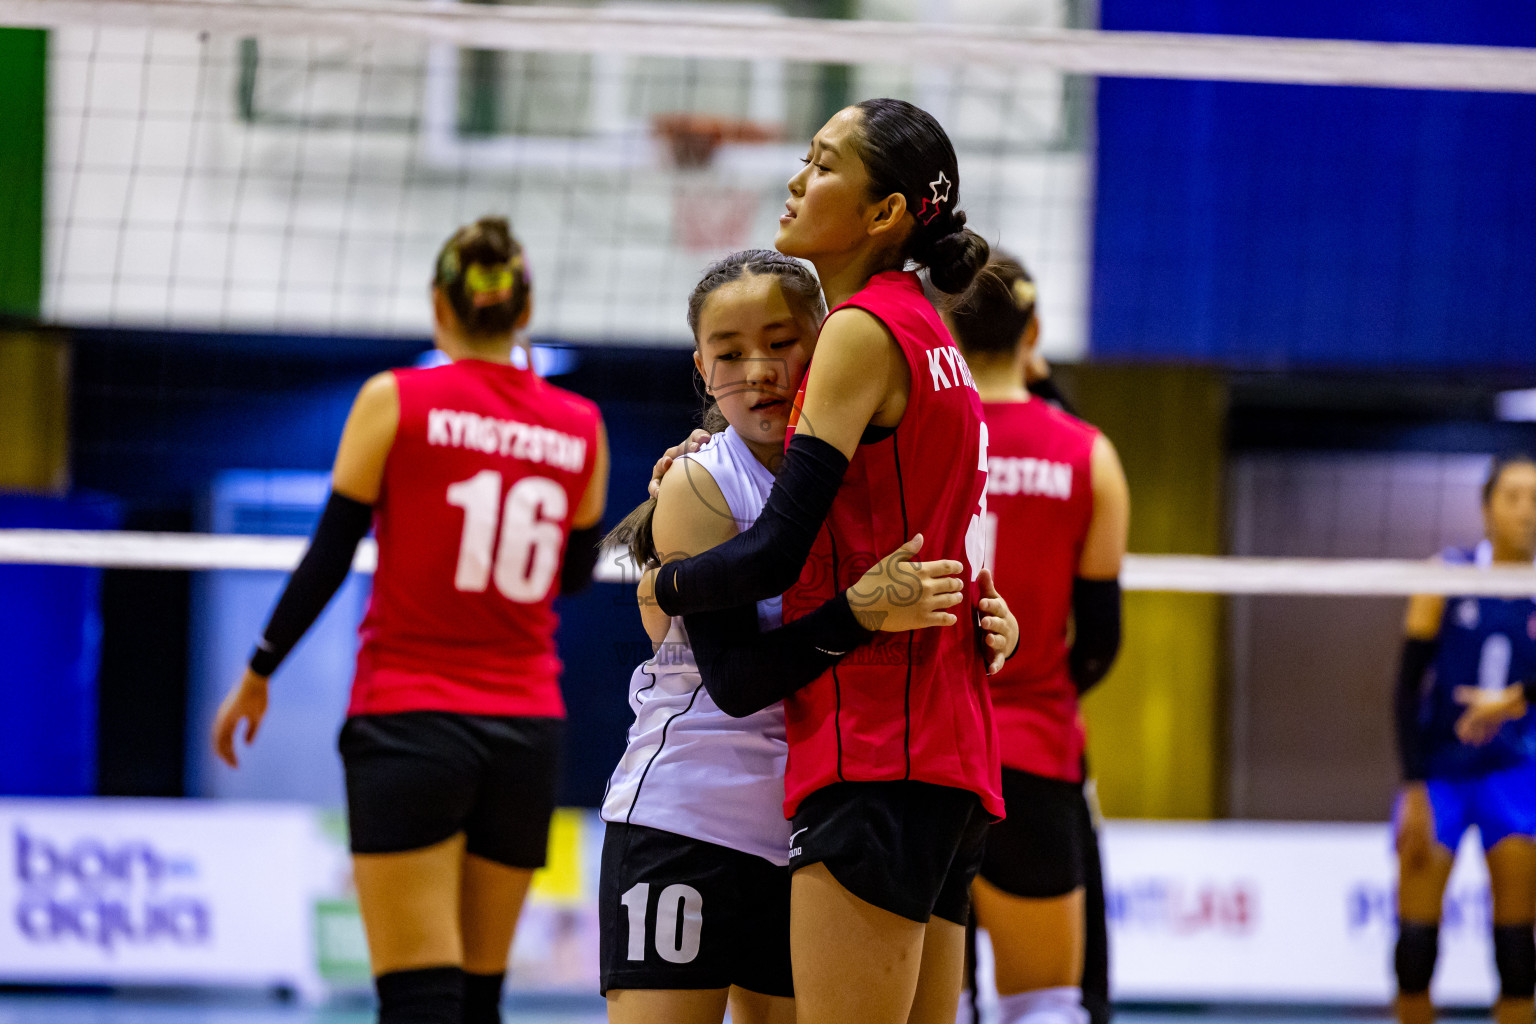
(34, 413)
(1155, 723)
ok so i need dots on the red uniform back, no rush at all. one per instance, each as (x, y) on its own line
(489, 464)
(909, 705)
(1040, 502)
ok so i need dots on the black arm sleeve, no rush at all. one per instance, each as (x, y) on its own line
(581, 551)
(745, 670)
(343, 524)
(1418, 656)
(763, 561)
(1096, 631)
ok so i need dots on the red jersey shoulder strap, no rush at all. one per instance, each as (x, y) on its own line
(896, 299)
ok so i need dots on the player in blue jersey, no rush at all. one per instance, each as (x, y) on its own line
(1468, 752)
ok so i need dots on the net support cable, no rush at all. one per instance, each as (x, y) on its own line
(1342, 577)
(742, 35)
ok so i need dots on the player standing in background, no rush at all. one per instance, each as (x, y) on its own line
(1057, 512)
(486, 486)
(696, 841)
(1473, 766)
(1037, 376)
(892, 776)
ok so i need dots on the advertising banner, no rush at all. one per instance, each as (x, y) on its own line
(1282, 912)
(204, 892)
(155, 891)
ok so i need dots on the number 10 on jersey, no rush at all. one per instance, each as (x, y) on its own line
(527, 554)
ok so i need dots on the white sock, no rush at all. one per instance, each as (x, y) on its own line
(1062, 1005)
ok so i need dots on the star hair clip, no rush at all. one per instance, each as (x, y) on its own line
(930, 207)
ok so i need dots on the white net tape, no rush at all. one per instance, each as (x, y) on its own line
(755, 36)
(1171, 573)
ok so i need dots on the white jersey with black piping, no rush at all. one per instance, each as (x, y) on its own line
(689, 768)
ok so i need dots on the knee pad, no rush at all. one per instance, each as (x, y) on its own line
(1514, 951)
(429, 995)
(1043, 1006)
(1417, 947)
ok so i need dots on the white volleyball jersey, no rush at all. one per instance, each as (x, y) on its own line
(689, 768)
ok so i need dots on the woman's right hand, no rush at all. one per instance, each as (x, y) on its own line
(696, 440)
(1415, 826)
(246, 702)
(1486, 712)
(898, 594)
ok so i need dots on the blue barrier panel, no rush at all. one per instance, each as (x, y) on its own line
(1274, 226)
(294, 756)
(50, 631)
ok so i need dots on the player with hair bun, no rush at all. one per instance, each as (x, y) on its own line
(892, 775)
(1468, 749)
(485, 486)
(1058, 512)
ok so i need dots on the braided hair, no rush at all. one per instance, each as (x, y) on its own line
(804, 294)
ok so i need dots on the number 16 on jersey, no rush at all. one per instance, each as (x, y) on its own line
(527, 555)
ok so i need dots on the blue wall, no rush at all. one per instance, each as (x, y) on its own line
(50, 631)
(1271, 226)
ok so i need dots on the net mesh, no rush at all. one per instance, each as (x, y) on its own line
(290, 167)
(286, 179)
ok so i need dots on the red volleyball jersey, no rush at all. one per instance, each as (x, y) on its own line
(908, 705)
(1039, 505)
(489, 464)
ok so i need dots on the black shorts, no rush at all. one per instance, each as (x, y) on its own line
(911, 848)
(1038, 851)
(680, 913)
(417, 778)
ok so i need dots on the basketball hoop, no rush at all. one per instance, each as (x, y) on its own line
(693, 139)
(708, 215)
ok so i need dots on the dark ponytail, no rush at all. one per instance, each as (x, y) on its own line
(803, 292)
(905, 150)
(990, 318)
(482, 273)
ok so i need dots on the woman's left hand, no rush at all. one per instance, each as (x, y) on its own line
(899, 593)
(1000, 628)
(1487, 711)
(696, 440)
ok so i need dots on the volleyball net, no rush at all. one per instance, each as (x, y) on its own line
(1192, 574)
(287, 170)
(292, 166)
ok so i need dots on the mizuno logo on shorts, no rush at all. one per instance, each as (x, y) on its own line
(794, 851)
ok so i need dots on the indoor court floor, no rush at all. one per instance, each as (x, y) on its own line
(148, 1008)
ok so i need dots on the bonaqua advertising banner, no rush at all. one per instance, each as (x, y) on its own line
(260, 894)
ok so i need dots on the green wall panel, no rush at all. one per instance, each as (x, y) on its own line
(23, 132)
